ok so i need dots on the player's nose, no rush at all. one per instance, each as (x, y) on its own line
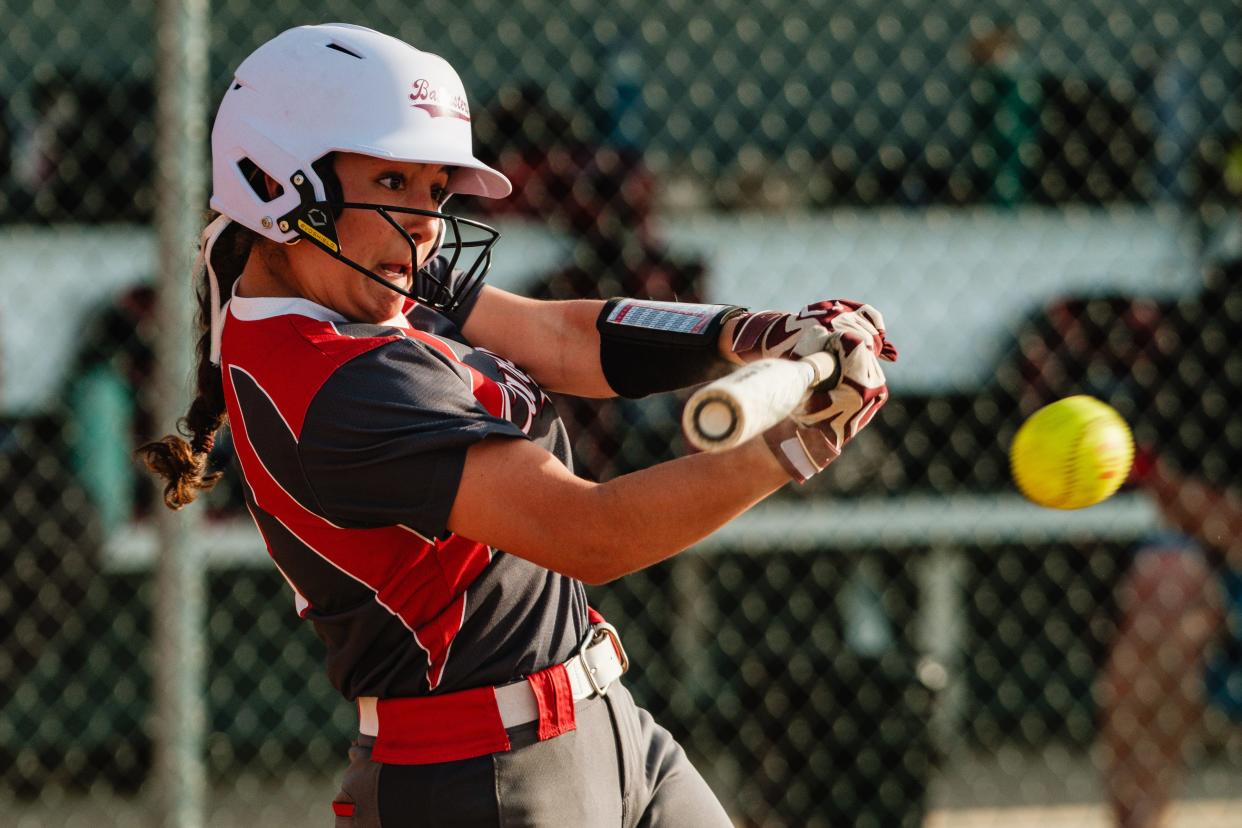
(420, 227)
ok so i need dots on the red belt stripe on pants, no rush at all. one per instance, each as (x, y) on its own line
(468, 723)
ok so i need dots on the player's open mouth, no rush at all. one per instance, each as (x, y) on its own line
(395, 271)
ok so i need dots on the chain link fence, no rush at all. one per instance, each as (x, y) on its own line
(1043, 198)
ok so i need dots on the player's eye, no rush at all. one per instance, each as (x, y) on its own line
(392, 181)
(439, 193)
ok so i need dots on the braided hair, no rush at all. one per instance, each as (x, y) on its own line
(182, 462)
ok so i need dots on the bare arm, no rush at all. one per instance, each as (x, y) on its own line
(517, 497)
(557, 343)
(554, 342)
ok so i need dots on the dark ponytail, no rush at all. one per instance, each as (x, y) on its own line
(184, 464)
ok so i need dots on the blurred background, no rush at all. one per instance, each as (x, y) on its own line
(1043, 197)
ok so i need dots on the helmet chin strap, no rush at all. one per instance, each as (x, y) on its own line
(206, 242)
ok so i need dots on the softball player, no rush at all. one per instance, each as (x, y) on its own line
(389, 417)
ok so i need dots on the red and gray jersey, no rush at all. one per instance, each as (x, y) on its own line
(351, 440)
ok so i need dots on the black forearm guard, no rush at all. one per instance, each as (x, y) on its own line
(646, 347)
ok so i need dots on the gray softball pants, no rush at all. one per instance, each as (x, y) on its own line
(619, 768)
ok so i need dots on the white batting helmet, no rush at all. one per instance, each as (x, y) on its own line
(337, 87)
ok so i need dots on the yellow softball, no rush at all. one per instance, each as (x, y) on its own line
(1071, 453)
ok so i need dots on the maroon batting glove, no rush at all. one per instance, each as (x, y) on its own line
(767, 334)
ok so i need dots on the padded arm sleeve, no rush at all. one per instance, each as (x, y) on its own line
(647, 347)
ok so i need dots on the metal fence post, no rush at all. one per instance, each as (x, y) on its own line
(180, 719)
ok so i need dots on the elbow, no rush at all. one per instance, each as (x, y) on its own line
(602, 563)
(605, 563)
(598, 568)
(599, 576)
(593, 564)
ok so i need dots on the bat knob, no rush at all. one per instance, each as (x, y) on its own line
(715, 419)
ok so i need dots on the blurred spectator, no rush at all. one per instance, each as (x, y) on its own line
(1174, 117)
(1095, 145)
(108, 412)
(1009, 98)
(533, 143)
(1079, 139)
(87, 154)
(1174, 371)
(608, 211)
(107, 417)
(1179, 640)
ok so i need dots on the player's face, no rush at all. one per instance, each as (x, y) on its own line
(370, 240)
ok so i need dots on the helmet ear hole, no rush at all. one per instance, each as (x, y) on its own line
(258, 181)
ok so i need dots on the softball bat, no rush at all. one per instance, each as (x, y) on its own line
(751, 400)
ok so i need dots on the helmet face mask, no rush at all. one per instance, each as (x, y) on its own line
(336, 88)
(315, 221)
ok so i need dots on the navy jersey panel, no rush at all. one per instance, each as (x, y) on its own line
(385, 438)
(351, 440)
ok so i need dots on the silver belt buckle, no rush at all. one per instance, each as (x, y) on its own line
(602, 631)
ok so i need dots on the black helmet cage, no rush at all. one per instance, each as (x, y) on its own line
(315, 221)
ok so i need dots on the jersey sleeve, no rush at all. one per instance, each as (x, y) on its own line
(385, 439)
